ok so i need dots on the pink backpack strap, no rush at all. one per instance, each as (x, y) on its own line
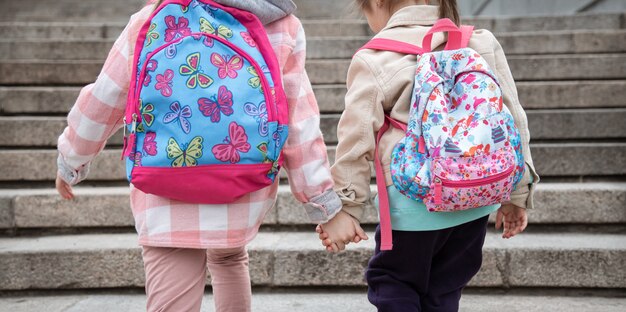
(382, 44)
(386, 239)
(458, 38)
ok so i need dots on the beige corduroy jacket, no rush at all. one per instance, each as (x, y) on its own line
(381, 82)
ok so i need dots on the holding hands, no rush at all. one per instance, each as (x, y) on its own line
(340, 231)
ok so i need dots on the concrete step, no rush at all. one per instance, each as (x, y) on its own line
(296, 259)
(313, 301)
(524, 68)
(330, 98)
(557, 159)
(580, 41)
(568, 124)
(108, 207)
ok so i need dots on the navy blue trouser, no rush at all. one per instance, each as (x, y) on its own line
(426, 270)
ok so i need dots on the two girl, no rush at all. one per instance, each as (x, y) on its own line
(435, 254)
(180, 241)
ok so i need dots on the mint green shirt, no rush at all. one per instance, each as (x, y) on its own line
(411, 215)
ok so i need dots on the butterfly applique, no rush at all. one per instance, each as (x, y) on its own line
(227, 66)
(192, 69)
(149, 143)
(212, 28)
(164, 82)
(188, 155)
(176, 30)
(152, 35)
(236, 142)
(179, 114)
(260, 114)
(150, 67)
(215, 106)
(255, 81)
(247, 38)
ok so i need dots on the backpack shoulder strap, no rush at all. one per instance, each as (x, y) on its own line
(382, 44)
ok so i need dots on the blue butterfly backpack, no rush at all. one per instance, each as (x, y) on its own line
(206, 116)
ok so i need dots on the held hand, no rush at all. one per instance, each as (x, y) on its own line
(340, 231)
(513, 218)
(64, 189)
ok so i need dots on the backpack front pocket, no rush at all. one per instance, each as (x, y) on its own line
(460, 183)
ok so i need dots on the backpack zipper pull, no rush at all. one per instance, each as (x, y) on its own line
(438, 190)
(130, 142)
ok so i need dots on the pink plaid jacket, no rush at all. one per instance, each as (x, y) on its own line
(159, 221)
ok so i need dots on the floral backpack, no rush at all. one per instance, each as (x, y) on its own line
(462, 149)
(206, 116)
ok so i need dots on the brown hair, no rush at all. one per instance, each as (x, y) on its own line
(447, 9)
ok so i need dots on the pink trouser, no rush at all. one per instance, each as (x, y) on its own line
(175, 278)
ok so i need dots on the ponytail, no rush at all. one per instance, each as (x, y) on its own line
(449, 9)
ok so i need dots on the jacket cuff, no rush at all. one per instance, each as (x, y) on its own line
(69, 174)
(524, 194)
(323, 207)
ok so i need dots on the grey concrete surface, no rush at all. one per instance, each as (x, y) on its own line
(313, 301)
(297, 259)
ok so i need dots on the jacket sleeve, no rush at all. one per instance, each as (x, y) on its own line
(362, 117)
(96, 115)
(305, 155)
(524, 191)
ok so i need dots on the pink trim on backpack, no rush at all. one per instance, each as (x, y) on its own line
(216, 184)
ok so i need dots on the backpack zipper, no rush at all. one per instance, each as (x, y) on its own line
(439, 183)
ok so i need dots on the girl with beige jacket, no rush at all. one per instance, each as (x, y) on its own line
(435, 254)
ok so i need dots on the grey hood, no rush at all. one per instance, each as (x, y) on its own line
(266, 10)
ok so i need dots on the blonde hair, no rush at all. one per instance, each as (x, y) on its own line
(447, 9)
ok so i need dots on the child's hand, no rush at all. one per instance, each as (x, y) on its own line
(64, 189)
(514, 219)
(340, 231)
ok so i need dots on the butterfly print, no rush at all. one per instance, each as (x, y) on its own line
(146, 114)
(227, 66)
(262, 147)
(152, 35)
(135, 157)
(247, 38)
(170, 50)
(187, 155)
(212, 28)
(260, 114)
(149, 143)
(255, 81)
(179, 114)
(215, 106)
(164, 82)
(176, 30)
(193, 70)
(150, 67)
(236, 142)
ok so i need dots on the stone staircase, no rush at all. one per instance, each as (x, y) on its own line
(82, 255)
